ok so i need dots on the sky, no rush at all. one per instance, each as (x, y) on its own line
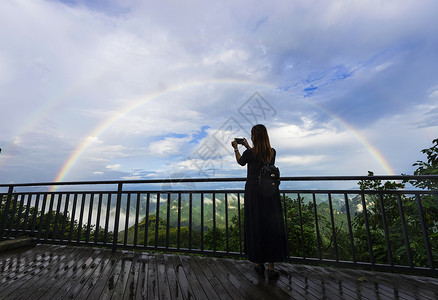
(110, 90)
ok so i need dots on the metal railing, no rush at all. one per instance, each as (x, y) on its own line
(394, 230)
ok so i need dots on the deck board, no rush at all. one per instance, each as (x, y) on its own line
(71, 272)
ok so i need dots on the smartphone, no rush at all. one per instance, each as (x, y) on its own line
(239, 140)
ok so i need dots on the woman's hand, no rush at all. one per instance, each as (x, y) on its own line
(234, 144)
(245, 143)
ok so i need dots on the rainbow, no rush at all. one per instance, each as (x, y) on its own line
(375, 153)
(97, 131)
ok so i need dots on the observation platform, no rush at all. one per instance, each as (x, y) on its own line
(74, 272)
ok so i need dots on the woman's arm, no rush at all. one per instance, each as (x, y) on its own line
(236, 150)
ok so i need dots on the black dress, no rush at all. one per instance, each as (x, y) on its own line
(265, 237)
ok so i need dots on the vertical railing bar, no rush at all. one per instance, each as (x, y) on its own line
(424, 231)
(332, 218)
(178, 238)
(367, 227)
(117, 216)
(35, 212)
(190, 219)
(214, 222)
(137, 212)
(49, 216)
(226, 222)
(64, 219)
(168, 220)
(73, 215)
(350, 229)
(157, 218)
(14, 211)
(107, 216)
(404, 230)
(55, 226)
(285, 220)
(146, 225)
(26, 213)
(81, 218)
(99, 209)
(202, 222)
(20, 209)
(239, 222)
(43, 208)
(318, 236)
(128, 206)
(301, 226)
(6, 211)
(385, 229)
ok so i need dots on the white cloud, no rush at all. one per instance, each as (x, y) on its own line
(294, 160)
(113, 167)
(167, 147)
(124, 78)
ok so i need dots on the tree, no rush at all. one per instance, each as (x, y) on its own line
(427, 168)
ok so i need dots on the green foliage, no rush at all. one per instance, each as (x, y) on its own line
(30, 221)
(427, 168)
(390, 215)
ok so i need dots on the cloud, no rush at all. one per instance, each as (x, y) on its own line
(113, 167)
(294, 160)
(152, 85)
(167, 147)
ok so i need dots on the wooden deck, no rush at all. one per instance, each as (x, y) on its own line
(65, 272)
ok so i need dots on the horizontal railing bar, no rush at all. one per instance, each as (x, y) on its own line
(325, 191)
(182, 180)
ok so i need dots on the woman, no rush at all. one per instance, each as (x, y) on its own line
(265, 237)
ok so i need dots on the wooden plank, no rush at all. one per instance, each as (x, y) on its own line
(24, 267)
(152, 279)
(240, 282)
(141, 290)
(132, 278)
(200, 277)
(103, 280)
(196, 286)
(32, 284)
(113, 277)
(56, 272)
(123, 275)
(96, 272)
(75, 269)
(260, 284)
(81, 277)
(227, 284)
(163, 283)
(26, 260)
(57, 277)
(286, 283)
(172, 279)
(220, 290)
(183, 282)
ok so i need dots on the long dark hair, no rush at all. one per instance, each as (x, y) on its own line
(262, 148)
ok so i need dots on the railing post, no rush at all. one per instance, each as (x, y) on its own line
(6, 211)
(116, 221)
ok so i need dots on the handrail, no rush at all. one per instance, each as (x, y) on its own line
(228, 179)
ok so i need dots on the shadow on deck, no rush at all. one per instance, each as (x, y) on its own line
(66, 272)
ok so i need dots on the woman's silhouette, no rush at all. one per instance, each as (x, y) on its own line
(265, 238)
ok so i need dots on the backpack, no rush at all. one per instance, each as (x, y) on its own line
(269, 180)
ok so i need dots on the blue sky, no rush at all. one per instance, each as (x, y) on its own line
(96, 90)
